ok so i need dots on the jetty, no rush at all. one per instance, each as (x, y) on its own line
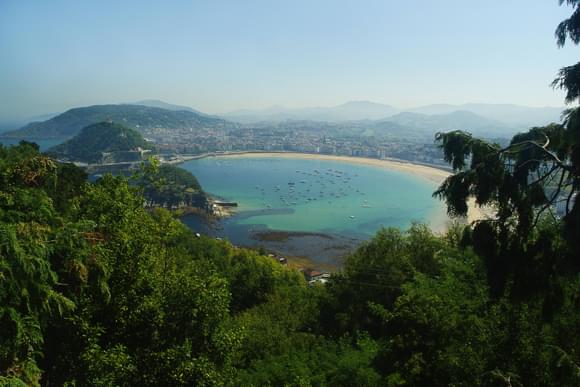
(225, 204)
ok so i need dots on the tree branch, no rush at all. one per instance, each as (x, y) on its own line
(550, 202)
(540, 179)
(569, 199)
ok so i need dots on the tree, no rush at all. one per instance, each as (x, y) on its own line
(28, 283)
(524, 183)
(569, 77)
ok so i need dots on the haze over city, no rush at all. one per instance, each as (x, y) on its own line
(222, 56)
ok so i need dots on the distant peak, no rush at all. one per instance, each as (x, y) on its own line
(163, 105)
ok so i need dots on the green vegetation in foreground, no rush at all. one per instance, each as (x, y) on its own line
(104, 137)
(95, 290)
(164, 186)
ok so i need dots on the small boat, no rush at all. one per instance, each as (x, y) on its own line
(352, 216)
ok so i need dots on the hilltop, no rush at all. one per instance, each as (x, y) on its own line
(139, 117)
(105, 137)
(460, 119)
(168, 106)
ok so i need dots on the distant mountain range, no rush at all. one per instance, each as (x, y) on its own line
(481, 119)
(506, 115)
(350, 111)
(138, 117)
(456, 120)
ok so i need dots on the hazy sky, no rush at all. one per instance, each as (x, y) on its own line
(218, 56)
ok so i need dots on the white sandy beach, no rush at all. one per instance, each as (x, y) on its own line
(432, 174)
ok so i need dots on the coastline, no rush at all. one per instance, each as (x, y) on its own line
(431, 173)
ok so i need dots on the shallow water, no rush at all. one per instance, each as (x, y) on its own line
(344, 199)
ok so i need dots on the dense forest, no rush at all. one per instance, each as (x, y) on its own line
(96, 289)
(171, 187)
(103, 137)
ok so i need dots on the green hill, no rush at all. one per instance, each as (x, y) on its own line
(137, 117)
(104, 137)
(172, 187)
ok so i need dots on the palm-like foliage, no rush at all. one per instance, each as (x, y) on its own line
(524, 183)
(569, 77)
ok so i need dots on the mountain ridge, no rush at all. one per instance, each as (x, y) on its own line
(456, 120)
(166, 105)
(506, 114)
(511, 114)
(137, 117)
(348, 111)
(482, 119)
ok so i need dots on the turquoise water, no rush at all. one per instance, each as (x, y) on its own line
(318, 195)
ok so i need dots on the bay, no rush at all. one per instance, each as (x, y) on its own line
(347, 201)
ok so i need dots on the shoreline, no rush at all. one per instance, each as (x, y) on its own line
(432, 173)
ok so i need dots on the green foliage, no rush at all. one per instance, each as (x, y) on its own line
(97, 289)
(28, 283)
(521, 245)
(374, 275)
(93, 140)
(569, 76)
(171, 187)
(438, 330)
(91, 290)
(439, 324)
(316, 361)
(70, 123)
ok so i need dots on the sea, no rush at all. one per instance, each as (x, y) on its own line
(317, 209)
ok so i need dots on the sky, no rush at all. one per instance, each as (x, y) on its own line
(219, 56)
